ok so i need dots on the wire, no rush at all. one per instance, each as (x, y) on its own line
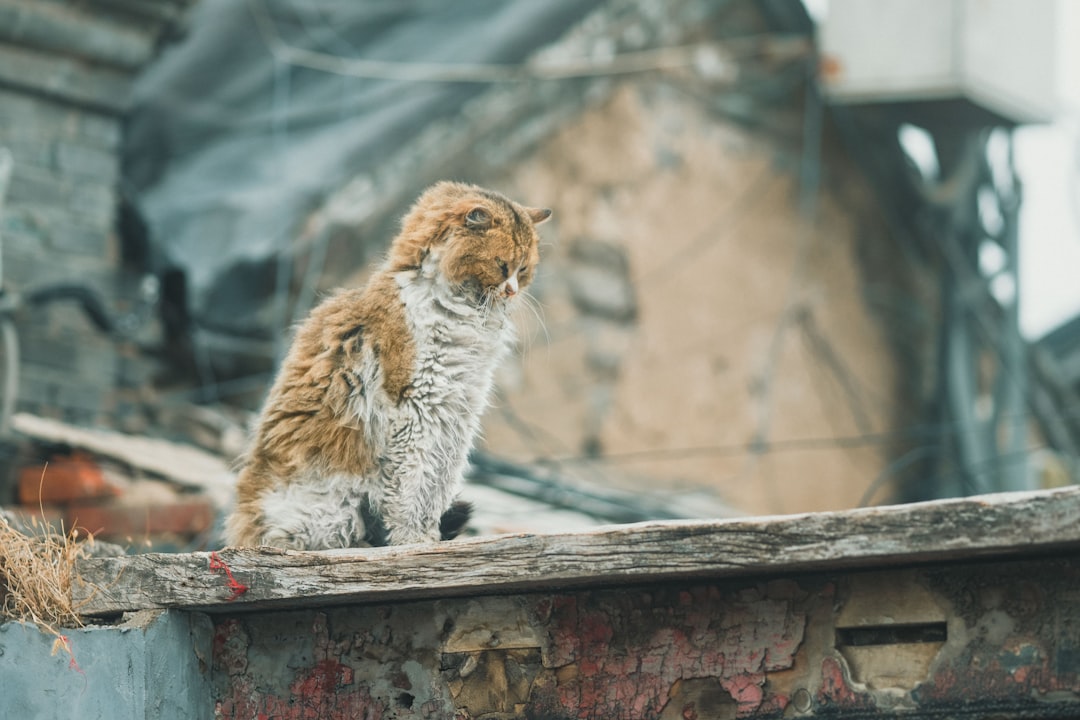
(809, 182)
(909, 458)
(836, 368)
(279, 131)
(725, 223)
(994, 461)
(971, 175)
(933, 431)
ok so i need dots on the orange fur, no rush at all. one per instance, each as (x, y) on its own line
(306, 428)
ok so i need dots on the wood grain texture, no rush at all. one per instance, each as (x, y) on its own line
(988, 526)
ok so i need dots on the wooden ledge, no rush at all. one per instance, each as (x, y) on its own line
(1002, 525)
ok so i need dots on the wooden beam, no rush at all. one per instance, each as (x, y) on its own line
(1012, 524)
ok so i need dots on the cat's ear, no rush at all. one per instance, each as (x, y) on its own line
(538, 215)
(478, 218)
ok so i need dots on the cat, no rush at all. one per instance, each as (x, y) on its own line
(365, 433)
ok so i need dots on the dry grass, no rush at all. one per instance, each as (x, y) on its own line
(36, 572)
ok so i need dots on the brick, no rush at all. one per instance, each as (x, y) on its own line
(67, 79)
(121, 521)
(71, 397)
(100, 130)
(74, 29)
(50, 172)
(48, 352)
(57, 227)
(33, 184)
(31, 117)
(63, 479)
(79, 159)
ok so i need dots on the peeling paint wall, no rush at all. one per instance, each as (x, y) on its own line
(978, 640)
(1001, 638)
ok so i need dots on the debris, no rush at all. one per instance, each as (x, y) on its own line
(63, 478)
(180, 464)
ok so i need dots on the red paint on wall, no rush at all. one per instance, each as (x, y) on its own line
(1019, 668)
(746, 690)
(630, 648)
(324, 691)
(835, 691)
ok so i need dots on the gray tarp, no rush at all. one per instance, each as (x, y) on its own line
(228, 148)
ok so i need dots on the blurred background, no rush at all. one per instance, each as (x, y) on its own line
(804, 256)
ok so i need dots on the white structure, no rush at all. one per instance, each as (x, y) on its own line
(994, 55)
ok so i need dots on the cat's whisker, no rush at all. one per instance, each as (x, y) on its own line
(531, 304)
(487, 304)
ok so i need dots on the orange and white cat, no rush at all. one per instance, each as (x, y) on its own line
(375, 409)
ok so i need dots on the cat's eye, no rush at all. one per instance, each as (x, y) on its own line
(478, 218)
(504, 267)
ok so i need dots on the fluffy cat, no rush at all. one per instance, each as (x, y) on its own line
(366, 431)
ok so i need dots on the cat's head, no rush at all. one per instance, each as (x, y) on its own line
(476, 238)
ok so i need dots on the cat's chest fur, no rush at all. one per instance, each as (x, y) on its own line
(457, 347)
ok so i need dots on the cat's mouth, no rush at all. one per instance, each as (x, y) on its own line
(484, 297)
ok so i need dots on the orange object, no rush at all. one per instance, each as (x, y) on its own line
(112, 520)
(63, 479)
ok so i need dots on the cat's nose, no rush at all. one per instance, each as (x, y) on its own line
(511, 287)
(510, 291)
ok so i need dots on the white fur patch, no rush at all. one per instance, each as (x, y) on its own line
(314, 513)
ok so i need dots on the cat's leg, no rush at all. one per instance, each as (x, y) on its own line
(313, 514)
(409, 504)
(242, 526)
(420, 479)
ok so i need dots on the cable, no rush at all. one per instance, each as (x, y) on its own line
(809, 181)
(279, 130)
(909, 458)
(752, 194)
(836, 442)
(839, 371)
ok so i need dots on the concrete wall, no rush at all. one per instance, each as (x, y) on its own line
(153, 667)
(990, 638)
(806, 646)
(690, 312)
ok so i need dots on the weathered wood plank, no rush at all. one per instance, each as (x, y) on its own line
(989, 526)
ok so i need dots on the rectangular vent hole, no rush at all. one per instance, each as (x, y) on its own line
(891, 634)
